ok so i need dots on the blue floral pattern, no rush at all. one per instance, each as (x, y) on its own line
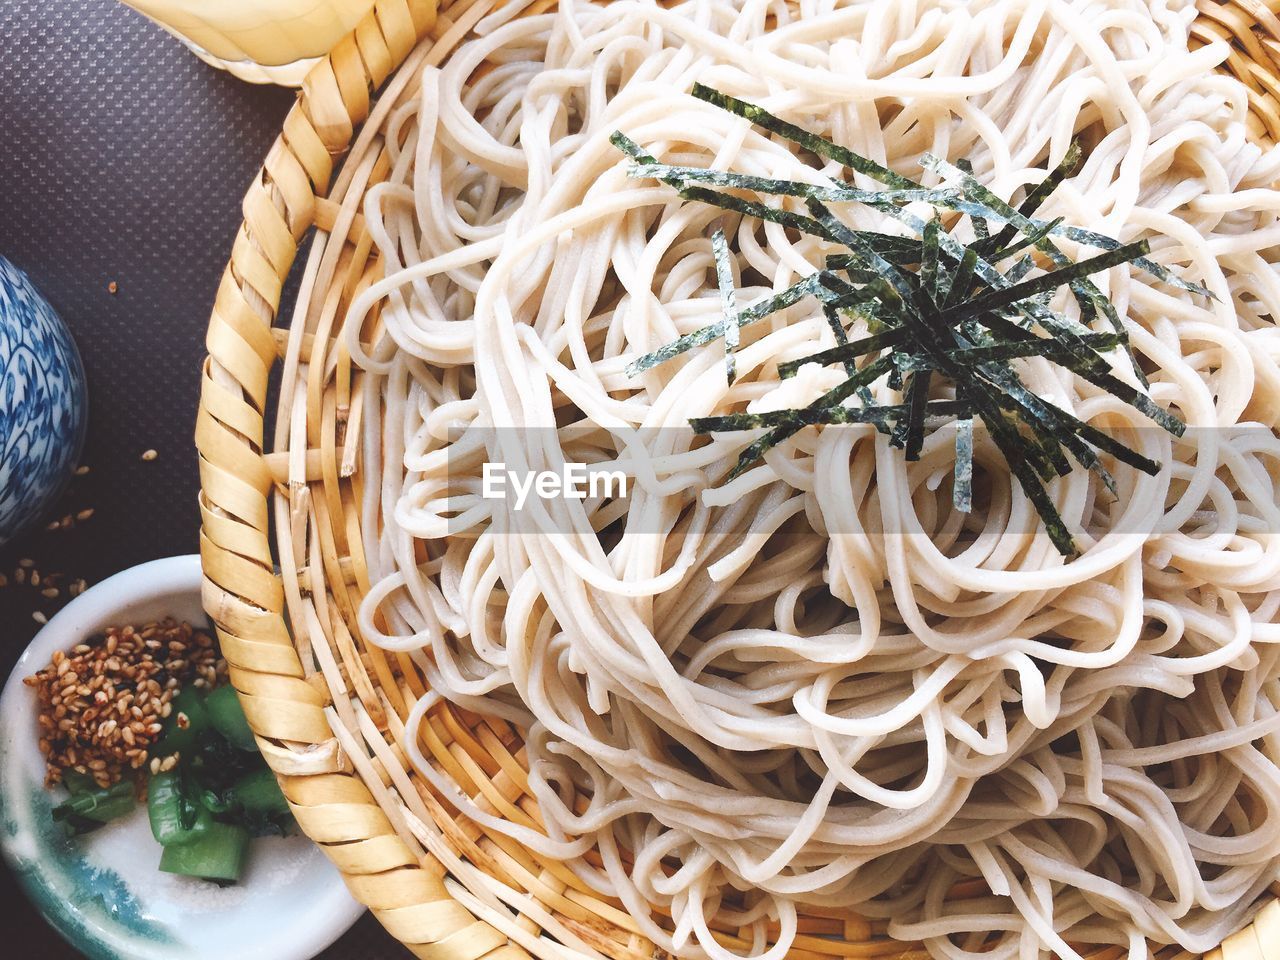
(42, 403)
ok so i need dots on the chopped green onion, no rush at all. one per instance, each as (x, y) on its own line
(227, 717)
(258, 792)
(176, 817)
(89, 809)
(218, 854)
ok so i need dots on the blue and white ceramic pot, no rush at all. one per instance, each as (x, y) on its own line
(43, 403)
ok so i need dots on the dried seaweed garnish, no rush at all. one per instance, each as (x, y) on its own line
(850, 350)
(994, 300)
(802, 137)
(938, 410)
(728, 303)
(962, 484)
(946, 320)
(808, 287)
(991, 207)
(793, 188)
(1039, 194)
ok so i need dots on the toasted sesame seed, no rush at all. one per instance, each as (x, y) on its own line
(149, 455)
(51, 592)
(82, 470)
(26, 563)
(39, 618)
(102, 704)
(85, 514)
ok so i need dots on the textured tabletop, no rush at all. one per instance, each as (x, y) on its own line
(123, 160)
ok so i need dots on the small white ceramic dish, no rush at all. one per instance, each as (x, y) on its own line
(104, 892)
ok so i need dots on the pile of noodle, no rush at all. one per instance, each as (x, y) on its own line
(819, 684)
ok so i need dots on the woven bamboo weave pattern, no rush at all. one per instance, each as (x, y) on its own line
(329, 709)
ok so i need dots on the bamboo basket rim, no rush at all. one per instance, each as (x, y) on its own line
(328, 709)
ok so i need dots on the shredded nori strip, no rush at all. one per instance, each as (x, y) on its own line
(936, 310)
(962, 483)
(929, 260)
(1088, 296)
(798, 135)
(934, 410)
(838, 331)
(1040, 193)
(1048, 282)
(847, 351)
(793, 294)
(724, 279)
(790, 188)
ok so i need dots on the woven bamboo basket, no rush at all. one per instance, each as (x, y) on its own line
(329, 709)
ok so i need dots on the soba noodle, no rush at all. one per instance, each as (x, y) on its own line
(818, 684)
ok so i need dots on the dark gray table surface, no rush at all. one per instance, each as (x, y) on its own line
(123, 159)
